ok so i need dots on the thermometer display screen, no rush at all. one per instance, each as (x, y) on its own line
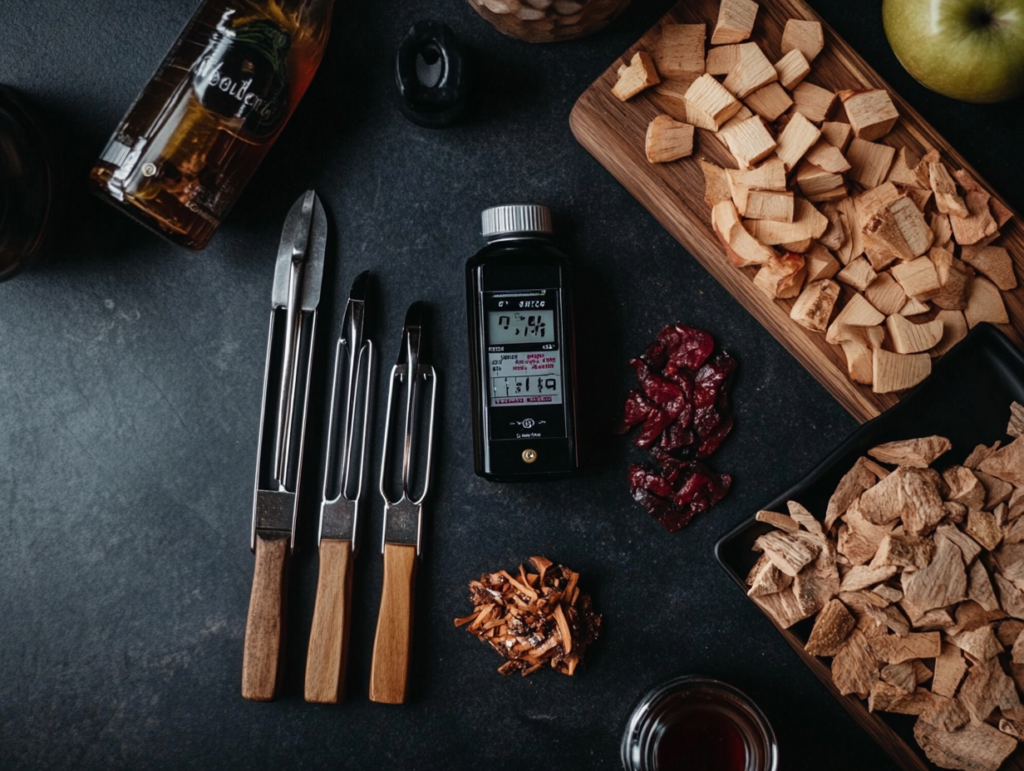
(523, 357)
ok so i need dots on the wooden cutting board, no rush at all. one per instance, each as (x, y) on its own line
(614, 132)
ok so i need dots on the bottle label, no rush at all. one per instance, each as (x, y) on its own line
(242, 74)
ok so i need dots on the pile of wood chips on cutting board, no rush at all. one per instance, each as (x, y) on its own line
(816, 200)
(538, 619)
(915, 576)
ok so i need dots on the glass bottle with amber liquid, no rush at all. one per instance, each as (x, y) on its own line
(196, 134)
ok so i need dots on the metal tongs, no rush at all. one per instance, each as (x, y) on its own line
(298, 275)
(403, 515)
(347, 437)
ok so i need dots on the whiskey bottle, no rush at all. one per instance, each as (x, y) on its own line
(196, 134)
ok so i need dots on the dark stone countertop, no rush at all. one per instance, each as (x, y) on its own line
(131, 373)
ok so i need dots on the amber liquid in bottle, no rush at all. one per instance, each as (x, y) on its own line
(196, 134)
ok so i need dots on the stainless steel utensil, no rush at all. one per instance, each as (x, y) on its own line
(403, 514)
(298, 276)
(347, 437)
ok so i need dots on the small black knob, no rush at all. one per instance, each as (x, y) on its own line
(433, 75)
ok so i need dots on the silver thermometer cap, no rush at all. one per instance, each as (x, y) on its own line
(501, 221)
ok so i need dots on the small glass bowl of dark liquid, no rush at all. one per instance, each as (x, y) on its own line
(698, 724)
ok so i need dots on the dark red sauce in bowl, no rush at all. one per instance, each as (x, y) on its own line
(698, 724)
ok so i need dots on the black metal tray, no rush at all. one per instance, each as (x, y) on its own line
(966, 399)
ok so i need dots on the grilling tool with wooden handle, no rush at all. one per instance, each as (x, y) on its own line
(347, 436)
(403, 514)
(298, 275)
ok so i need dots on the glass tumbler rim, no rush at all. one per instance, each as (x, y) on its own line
(644, 717)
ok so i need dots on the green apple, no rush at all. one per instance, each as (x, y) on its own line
(967, 49)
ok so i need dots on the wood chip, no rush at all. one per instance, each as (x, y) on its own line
(855, 666)
(668, 140)
(680, 50)
(971, 748)
(898, 372)
(885, 294)
(982, 527)
(721, 59)
(750, 143)
(920, 453)
(1006, 463)
(751, 71)
(640, 74)
(857, 274)
(916, 645)
(767, 579)
(994, 263)
(905, 551)
(885, 697)
(769, 101)
(820, 262)
(918, 278)
(955, 277)
(837, 134)
(950, 667)
(1016, 425)
(1010, 597)
(796, 139)
(941, 583)
(670, 96)
(980, 644)
(805, 36)
(1008, 631)
(985, 304)
(978, 224)
(781, 521)
(869, 161)
(900, 675)
(735, 21)
(954, 329)
(858, 312)
(789, 552)
(859, 539)
(946, 198)
(813, 307)
(853, 483)
(891, 618)
(831, 629)
(812, 102)
(792, 68)
(807, 222)
(871, 113)
(907, 494)
(864, 576)
(716, 185)
(964, 487)
(986, 688)
(742, 248)
(708, 104)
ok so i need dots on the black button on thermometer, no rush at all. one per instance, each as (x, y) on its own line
(522, 358)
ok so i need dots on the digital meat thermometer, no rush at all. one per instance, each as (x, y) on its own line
(522, 357)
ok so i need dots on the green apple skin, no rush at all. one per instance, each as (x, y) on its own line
(971, 50)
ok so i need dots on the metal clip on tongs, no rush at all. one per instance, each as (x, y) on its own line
(347, 436)
(298, 275)
(403, 517)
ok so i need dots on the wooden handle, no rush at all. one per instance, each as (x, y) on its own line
(328, 638)
(392, 647)
(264, 630)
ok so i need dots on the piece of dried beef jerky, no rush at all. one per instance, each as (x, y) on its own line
(683, 403)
